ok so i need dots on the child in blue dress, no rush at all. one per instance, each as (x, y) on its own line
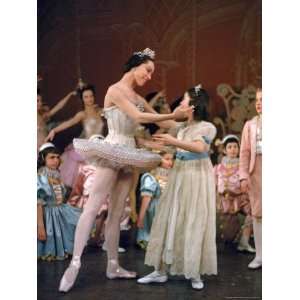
(56, 221)
(152, 185)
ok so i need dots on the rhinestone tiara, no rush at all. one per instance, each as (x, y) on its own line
(145, 52)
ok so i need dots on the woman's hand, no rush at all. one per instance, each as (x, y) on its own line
(181, 113)
(164, 138)
(41, 234)
(244, 186)
(50, 136)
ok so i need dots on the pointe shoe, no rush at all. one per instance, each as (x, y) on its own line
(247, 248)
(197, 284)
(155, 276)
(72, 271)
(118, 272)
(256, 263)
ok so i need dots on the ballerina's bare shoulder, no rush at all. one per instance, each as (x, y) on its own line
(119, 93)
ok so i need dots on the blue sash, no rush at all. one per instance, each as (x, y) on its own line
(191, 155)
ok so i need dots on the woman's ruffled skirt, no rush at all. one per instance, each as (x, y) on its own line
(103, 153)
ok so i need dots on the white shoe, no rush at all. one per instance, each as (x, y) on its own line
(120, 249)
(255, 263)
(153, 277)
(247, 248)
(197, 284)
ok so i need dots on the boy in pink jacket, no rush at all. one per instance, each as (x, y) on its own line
(250, 174)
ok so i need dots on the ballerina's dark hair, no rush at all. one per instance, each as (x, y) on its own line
(88, 87)
(199, 99)
(139, 58)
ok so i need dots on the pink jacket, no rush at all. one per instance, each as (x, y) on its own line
(248, 149)
(232, 182)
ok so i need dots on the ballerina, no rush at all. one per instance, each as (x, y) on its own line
(92, 122)
(115, 157)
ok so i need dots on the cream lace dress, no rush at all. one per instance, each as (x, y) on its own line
(183, 234)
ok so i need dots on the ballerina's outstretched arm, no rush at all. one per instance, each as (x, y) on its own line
(67, 124)
(117, 98)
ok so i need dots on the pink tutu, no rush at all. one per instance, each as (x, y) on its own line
(69, 166)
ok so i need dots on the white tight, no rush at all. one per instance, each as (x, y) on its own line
(107, 182)
(115, 211)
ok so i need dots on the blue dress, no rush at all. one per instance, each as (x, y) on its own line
(149, 187)
(60, 219)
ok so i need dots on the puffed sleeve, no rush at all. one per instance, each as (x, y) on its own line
(205, 133)
(148, 185)
(42, 187)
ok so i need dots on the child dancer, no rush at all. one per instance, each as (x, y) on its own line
(250, 174)
(182, 239)
(231, 200)
(56, 220)
(152, 185)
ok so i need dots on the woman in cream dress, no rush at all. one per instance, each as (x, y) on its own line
(182, 238)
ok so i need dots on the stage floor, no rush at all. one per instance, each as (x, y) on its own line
(234, 281)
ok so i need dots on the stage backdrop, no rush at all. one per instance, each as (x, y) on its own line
(206, 41)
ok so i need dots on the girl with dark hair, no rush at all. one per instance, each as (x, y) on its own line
(182, 238)
(92, 122)
(56, 221)
(44, 115)
(115, 158)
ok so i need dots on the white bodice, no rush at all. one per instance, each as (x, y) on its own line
(121, 128)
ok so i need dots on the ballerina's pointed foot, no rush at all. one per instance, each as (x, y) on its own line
(69, 277)
(114, 271)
